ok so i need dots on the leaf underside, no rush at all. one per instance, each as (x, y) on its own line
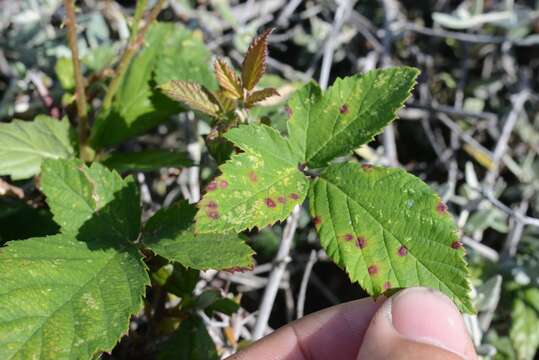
(71, 295)
(25, 144)
(169, 233)
(192, 95)
(350, 113)
(257, 187)
(388, 229)
(228, 80)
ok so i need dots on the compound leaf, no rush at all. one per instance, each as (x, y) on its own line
(524, 332)
(147, 160)
(76, 193)
(350, 113)
(192, 95)
(254, 63)
(169, 233)
(66, 299)
(228, 80)
(257, 187)
(25, 144)
(388, 229)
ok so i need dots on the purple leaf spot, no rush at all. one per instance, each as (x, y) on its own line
(403, 251)
(348, 237)
(373, 270)
(343, 109)
(361, 242)
(456, 245)
(270, 203)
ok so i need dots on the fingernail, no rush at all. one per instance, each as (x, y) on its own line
(428, 316)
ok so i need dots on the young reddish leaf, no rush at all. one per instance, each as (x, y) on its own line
(193, 95)
(254, 64)
(227, 104)
(228, 80)
(260, 95)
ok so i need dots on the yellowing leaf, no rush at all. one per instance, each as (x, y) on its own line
(193, 95)
(254, 64)
(260, 95)
(228, 80)
(257, 187)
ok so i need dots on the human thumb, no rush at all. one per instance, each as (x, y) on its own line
(417, 323)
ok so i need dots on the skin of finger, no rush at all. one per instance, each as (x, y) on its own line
(382, 342)
(336, 332)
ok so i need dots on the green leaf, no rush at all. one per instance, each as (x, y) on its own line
(524, 332)
(66, 299)
(169, 233)
(77, 193)
(257, 187)
(64, 72)
(169, 52)
(254, 64)
(190, 342)
(350, 113)
(25, 144)
(147, 160)
(388, 229)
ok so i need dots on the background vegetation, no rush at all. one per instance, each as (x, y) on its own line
(471, 130)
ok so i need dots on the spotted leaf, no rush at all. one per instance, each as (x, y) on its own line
(350, 113)
(257, 187)
(387, 229)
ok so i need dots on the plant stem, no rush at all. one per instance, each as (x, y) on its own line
(135, 40)
(82, 106)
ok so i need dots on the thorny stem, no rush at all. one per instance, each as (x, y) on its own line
(82, 106)
(135, 41)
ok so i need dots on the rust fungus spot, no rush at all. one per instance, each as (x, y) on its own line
(373, 270)
(343, 109)
(456, 245)
(281, 199)
(387, 285)
(223, 184)
(214, 215)
(366, 167)
(252, 176)
(348, 237)
(317, 221)
(212, 186)
(270, 203)
(294, 196)
(403, 251)
(361, 242)
(288, 111)
(441, 208)
(212, 204)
